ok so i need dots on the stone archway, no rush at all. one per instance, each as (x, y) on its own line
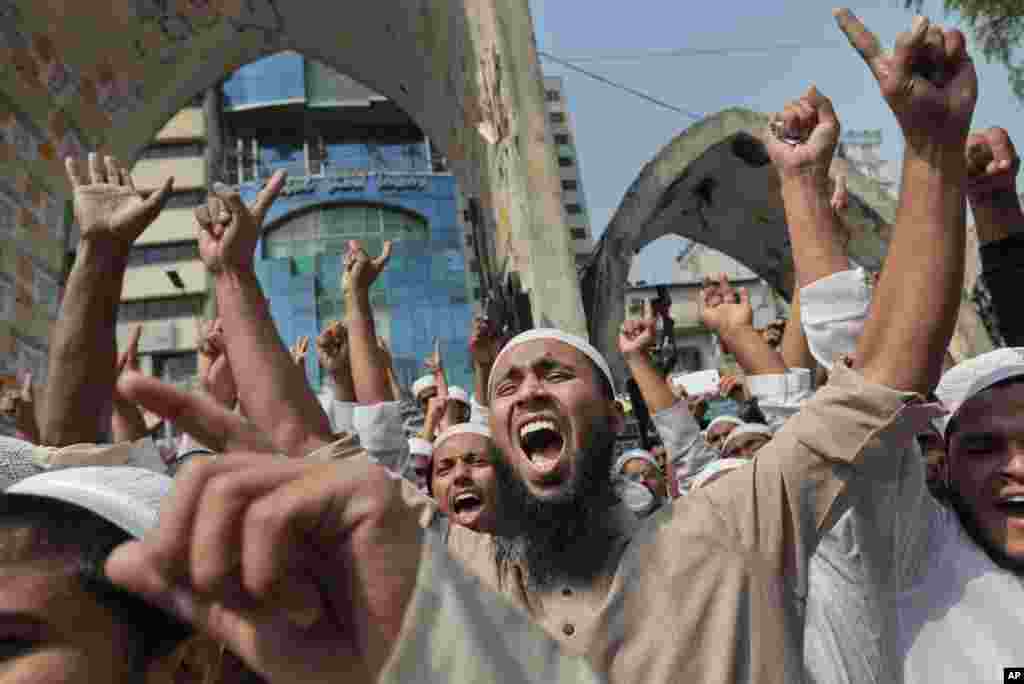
(81, 76)
(715, 184)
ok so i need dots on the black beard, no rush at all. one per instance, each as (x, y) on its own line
(952, 497)
(567, 539)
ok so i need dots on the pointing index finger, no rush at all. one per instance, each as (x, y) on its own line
(863, 40)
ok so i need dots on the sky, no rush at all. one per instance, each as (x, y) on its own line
(617, 133)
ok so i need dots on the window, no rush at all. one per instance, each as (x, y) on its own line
(553, 95)
(557, 117)
(327, 230)
(159, 254)
(160, 309)
(579, 233)
(562, 139)
(574, 208)
(172, 151)
(186, 200)
(570, 185)
(564, 161)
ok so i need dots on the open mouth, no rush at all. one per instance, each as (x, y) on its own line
(542, 443)
(1012, 506)
(467, 504)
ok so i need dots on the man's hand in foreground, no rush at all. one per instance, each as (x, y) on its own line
(305, 571)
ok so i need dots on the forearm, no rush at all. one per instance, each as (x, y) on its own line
(481, 376)
(916, 303)
(271, 388)
(653, 388)
(796, 353)
(369, 376)
(83, 349)
(343, 386)
(1003, 271)
(814, 229)
(753, 354)
(997, 216)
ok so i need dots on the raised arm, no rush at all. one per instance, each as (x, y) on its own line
(685, 448)
(111, 215)
(126, 421)
(729, 313)
(814, 229)
(272, 390)
(369, 375)
(918, 296)
(993, 165)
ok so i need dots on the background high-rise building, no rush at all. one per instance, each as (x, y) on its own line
(569, 167)
(358, 168)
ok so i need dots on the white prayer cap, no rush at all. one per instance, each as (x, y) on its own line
(732, 420)
(715, 468)
(629, 455)
(462, 429)
(423, 384)
(746, 429)
(420, 447)
(127, 497)
(969, 378)
(560, 336)
(456, 393)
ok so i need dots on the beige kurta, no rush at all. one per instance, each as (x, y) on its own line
(709, 590)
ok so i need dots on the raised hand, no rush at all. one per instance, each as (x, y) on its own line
(229, 230)
(129, 358)
(803, 137)
(215, 375)
(992, 167)
(332, 349)
(638, 336)
(19, 406)
(299, 350)
(108, 208)
(304, 570)
(484, 344)
(730, 313)
(435, 364)
(360, 270)
(928, 80)
(840, 195)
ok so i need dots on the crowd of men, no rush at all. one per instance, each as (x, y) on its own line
(860, 520)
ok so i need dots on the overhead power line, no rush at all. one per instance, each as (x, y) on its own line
(699, 52)
(620, 86)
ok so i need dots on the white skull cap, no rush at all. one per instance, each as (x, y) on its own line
(555, 334)
(462, 429)
(969, 378)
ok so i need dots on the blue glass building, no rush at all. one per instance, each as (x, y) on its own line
(359, 169)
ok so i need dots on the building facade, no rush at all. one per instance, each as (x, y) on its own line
(571, 177)
(358, 169)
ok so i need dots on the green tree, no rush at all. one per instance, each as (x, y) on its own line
(997, 26)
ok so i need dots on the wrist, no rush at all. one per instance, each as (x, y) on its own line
(105, 252)
(357, 303)
(997, 215)
(813, 177)
(944, 152)
(638, 357)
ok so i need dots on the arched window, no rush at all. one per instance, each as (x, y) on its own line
(328, 229)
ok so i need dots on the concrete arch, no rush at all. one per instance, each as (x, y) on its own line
(80, 76)
(715, 184)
